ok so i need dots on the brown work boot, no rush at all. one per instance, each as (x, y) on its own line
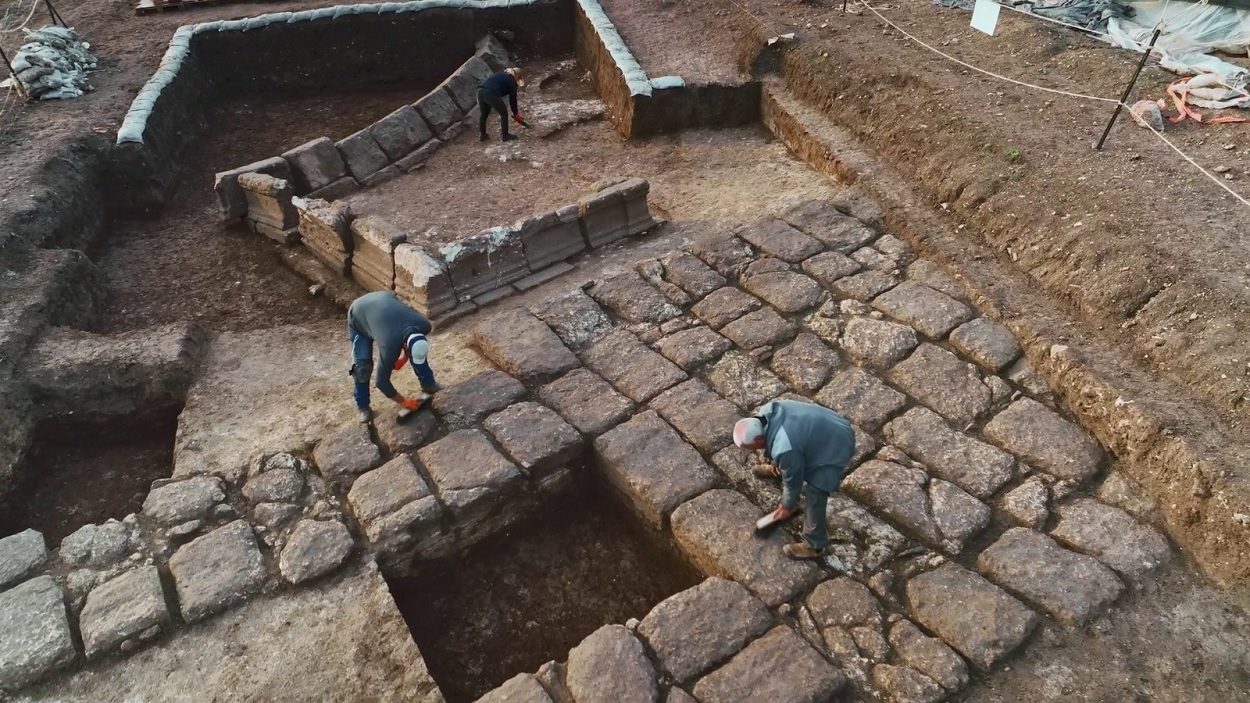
(799, 551)
(764, 469)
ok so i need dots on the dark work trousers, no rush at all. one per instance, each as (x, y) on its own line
(487, 101)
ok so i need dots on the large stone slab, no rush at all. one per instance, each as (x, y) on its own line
(778, 239)
(821, 220)
(739, 378)
(693, 347)
(184, 501)
(123, 608)
(439, 110)
(315, 164)
(717, 532)
(690, 274)
(362, 154)
(694, 630)
(976, 467)
(935, 277)
(779, 667)
(611, 666)
(587, 401)
(217, 571)
(483, 393)
(522, 688)
(574, 317)
(1045, 440)
(977, 618)
(929, 655)
(400, 132)
(861, 397)
(724, 252)
(933, 314)
(471, 475)
(806, 364)
(524, 346)
(392, 499)
(34, 633)
(864, 286)
(649, 463)
(878, 343)
(346, 451)
(633, 299)
(723, 306)
(1112, 536)
(536, 438)
(631, 367)
(762, 328)
(938, 513)
(829, 267)
(704, 418)
(945, 383)
(1072, 588)
(315, 548)
(986, 342)
(774, 282)
(21, 555)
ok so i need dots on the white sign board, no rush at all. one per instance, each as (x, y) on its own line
(985, 16)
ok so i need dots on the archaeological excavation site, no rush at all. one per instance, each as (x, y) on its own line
(673, 255)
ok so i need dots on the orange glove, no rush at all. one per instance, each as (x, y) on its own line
(409, 404)
(403, 359)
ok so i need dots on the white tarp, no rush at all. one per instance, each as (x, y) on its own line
(1190, 32)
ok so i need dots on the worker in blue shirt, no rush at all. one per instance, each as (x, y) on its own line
(400, 333)
(490, 95)
(805, 443)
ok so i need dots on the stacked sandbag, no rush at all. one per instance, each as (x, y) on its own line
(53, 63)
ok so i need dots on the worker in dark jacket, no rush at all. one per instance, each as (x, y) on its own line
(490, 95)
(805, 443)
(400, 333)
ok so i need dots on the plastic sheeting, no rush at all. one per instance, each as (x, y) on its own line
(53, 63)
(1190, 32)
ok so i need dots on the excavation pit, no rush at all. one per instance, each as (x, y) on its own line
(526, 596)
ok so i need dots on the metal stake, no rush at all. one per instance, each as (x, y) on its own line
(1129, 88)
(56, 16)
(21, 87)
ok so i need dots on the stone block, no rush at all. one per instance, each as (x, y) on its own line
(929, 655)
(977, 618)
(690, 274)
(277, 486)
(777, 285)
(724, 305)
(936, 512)
(382, 175)
(903, 683)
(439, 110)
(35, 639)
(462, 84)
(869, 257)
(933, 314)
(21, 556)
(762, 328)
(1039, 436)
(778, 239)
(933, 276)
(419, 156)
(485, 261)
(779, 667)
(976, 467)
(864, 286)
(346, 452)
(842, 602)
(373, 252)
(699, 628)
(1072, 588)
(575, 317)
(400, 132)
(693, 347)
(603, 217)
(386, 489)
(421, 280)
(122, 609)
(1112, 536)
(586, 401)
(724, 252)
(550, 273)
(226, 184)
(522, 688)
(987, 343)
(611, 666)
(704, 418)
(878, 343)
(184, 501)
(325, 229)
(468, 402)
(398, 436)
(945, 383)
(362, 155)
(830, 267)
(861, 397)
(820, 220)
(218, 570)
(338, 189)
(268, 201)
(633, 299)
(550, 237)
(740, 379)
(315, 548)
(315, 164)
(537, 439)
(524, 346)
(471, 475)
(717, 532)
(1028, 504)
(650, 464)
(638, 217)
(631, 367)
(806, 364)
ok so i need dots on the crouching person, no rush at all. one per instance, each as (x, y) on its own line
(805, 444)
(400, 333)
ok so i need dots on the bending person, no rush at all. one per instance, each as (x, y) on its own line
(400, 333)
(490, 95)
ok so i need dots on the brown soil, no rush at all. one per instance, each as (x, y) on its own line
(87, 474)
(527, 596)
(693, 39)
(187, 265)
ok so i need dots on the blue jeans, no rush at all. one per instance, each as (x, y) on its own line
(362, 358)
(815, 529)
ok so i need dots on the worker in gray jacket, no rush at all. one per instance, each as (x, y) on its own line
(400, 333)
(804, 443)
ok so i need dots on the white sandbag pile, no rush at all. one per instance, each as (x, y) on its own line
(53, 63)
